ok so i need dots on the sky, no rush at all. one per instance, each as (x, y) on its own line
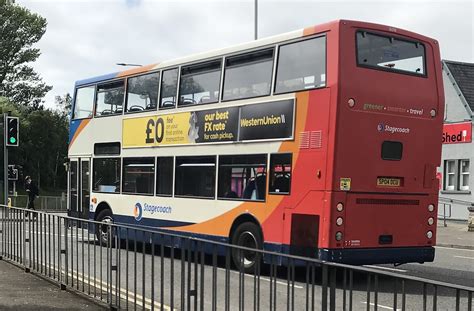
(86, 38)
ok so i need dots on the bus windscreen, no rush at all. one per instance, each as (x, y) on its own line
(390, 53)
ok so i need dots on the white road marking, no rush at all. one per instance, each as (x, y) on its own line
(262, 278)
(464, 257)
(457, 249)
(386, 268)
(99, 284)
(378, 305)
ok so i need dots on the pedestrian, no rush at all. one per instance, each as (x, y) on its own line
(32, 191)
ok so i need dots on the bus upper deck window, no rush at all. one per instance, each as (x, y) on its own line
(110, 98)
(301, 65)
(248, 75)
(200, 83)
(169, 86)
(142, 92)
(84, 102)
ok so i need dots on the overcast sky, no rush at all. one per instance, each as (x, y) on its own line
(87, 38)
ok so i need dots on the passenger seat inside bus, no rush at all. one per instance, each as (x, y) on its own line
(255, 189)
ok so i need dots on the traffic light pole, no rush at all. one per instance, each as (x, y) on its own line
(5, 159)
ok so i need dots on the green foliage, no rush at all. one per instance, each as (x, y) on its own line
(43, 144)
(19, 31)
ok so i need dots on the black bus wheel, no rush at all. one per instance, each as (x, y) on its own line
(247, 235)
(102, 230)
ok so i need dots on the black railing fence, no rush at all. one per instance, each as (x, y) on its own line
(141, 269)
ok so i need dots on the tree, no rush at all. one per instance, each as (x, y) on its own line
(64, 104)
(19, 31)
(42, 144)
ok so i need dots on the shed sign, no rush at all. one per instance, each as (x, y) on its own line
(457, 133)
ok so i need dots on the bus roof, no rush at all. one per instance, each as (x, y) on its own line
(237, 48)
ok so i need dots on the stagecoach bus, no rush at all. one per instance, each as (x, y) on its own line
(321, 142)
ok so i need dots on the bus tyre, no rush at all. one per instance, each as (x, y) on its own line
(247, 235)
(102, 231)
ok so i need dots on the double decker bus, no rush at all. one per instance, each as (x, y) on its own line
(321, 142)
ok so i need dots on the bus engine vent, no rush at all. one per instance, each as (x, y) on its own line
(387, 201)
(311, 140)
(316, 139)
(304, 140)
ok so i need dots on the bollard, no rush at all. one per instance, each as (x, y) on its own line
(470, 222)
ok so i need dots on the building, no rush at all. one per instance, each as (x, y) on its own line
(457, 184)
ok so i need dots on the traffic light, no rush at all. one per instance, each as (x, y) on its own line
(11, 135)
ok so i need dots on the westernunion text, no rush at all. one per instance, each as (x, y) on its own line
(263, 121)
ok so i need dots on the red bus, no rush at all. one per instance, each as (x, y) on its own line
(322, 142)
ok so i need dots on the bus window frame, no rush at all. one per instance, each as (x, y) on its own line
(267, 159)
(74, 101)
(158, 92)
(122, 171)
(244, 52)
(315, 36)
(291, 172)
(214, 197)
(124, 79)
(172, 177)
(160, 88)
(92, 173)
(391, 70)
(200, 62)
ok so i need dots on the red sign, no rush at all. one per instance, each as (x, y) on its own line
(457, 133)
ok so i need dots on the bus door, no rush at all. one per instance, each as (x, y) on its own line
(79, 188)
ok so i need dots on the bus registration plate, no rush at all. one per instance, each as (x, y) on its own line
(388, 182)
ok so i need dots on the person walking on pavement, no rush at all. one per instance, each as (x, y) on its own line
(32, 191)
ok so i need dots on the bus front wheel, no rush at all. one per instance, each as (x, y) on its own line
(103, 230)
(247, 235)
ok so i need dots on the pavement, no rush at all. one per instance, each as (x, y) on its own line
(25, 291)
(454, 235)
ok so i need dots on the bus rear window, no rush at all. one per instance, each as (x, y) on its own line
(390, 54)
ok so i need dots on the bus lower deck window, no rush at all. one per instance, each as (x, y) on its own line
(280, 173)
(195, 176)
(242, 177)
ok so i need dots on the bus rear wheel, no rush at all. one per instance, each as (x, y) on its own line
(102, 230)
(247, 235)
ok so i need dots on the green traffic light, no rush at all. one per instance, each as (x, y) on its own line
(12, 140)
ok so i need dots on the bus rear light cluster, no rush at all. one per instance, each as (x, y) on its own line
(338, 236)
(340, 207)
(431, 207)
(429, 234)
(430, 221)
(339, 221)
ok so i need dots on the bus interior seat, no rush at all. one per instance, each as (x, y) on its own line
(231, 194)
(255, 189)
(282, 183)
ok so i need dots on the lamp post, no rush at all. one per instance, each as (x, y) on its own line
(256, 20)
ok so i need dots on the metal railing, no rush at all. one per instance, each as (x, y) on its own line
(42, 203)
(147, 269)
(447, 207)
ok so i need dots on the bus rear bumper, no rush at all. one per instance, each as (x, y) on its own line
(392, 255)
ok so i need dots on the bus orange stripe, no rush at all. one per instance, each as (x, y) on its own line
(79, 130)
(137, 70)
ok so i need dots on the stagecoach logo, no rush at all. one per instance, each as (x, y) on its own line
(138, 212)
(381, 127)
